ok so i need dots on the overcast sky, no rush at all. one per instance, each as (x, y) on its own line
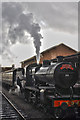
(26, 25)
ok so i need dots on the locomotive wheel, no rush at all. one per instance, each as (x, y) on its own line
(31, 97)
(34, 99)
(57, 113)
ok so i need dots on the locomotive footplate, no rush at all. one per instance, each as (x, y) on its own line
(32, 88)
(47, 87)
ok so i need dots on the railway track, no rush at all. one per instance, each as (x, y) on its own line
(8, 114)
(9, 111)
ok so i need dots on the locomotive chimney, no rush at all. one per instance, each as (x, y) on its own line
(13, 66)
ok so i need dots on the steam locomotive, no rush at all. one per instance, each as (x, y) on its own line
(52, 85)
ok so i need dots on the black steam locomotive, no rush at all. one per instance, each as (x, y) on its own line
(53, 85)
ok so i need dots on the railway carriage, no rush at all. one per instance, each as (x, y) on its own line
(10, 77)
(7, 78)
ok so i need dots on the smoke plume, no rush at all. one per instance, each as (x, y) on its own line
(20, 26)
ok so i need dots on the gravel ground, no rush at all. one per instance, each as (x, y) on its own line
(29, 110)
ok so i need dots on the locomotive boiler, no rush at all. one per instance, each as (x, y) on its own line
(62, 74)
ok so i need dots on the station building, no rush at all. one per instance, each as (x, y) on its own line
(51, 53)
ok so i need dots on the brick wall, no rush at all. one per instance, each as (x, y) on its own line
(60, 50)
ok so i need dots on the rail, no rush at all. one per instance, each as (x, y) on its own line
(11, 104)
